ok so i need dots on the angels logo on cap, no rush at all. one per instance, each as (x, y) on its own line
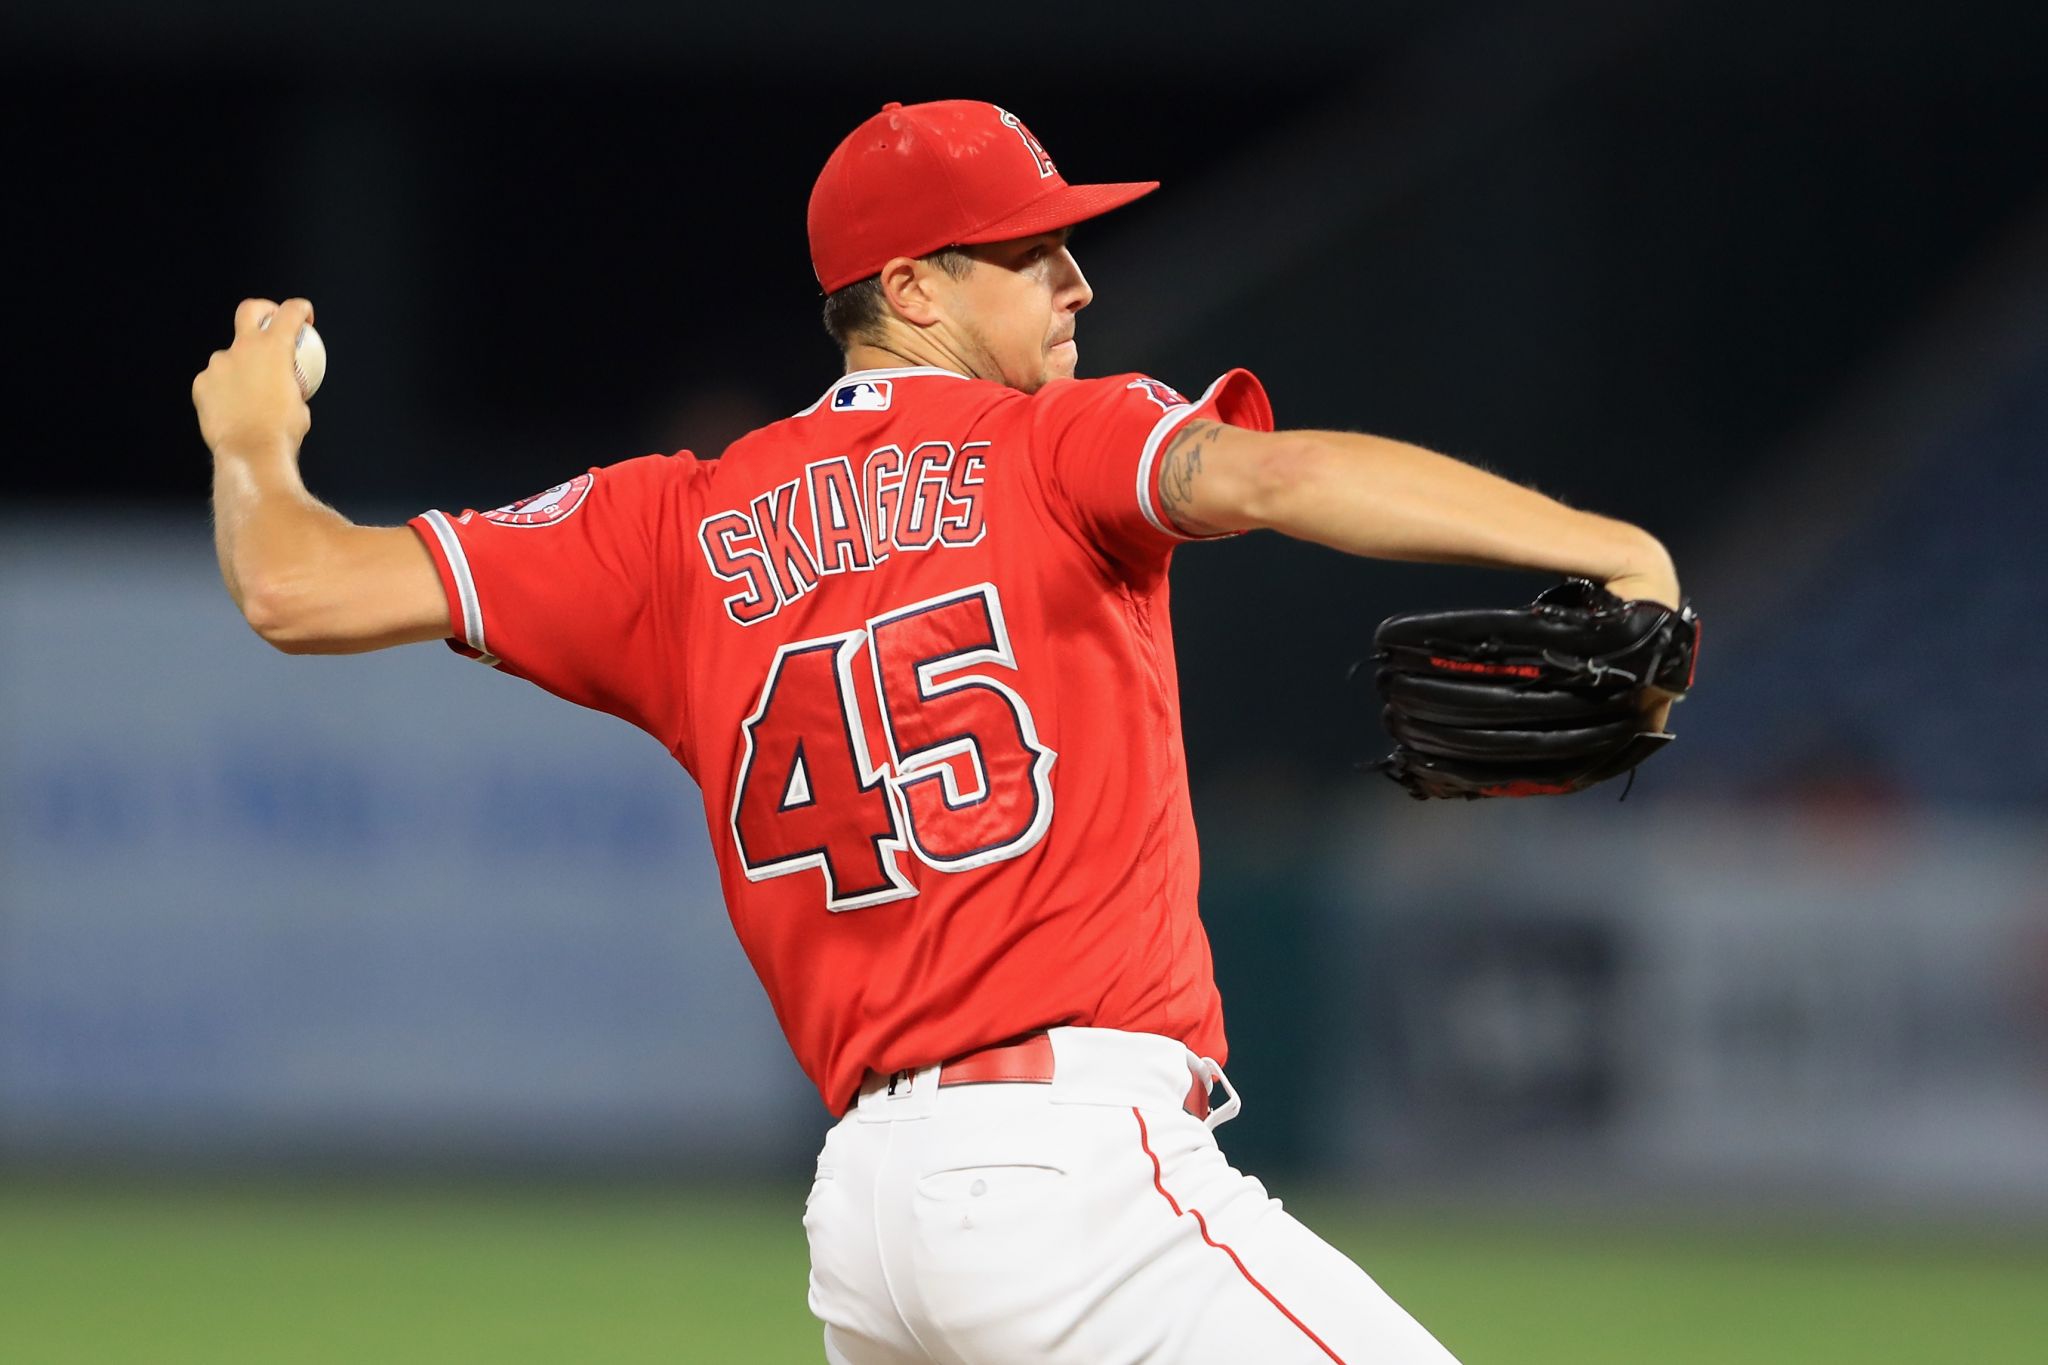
(545, 508)
(1031, 144)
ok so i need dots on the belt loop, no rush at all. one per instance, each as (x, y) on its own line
(1210, 1074)
(885, 1097)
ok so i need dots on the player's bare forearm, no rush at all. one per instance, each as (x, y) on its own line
(1366, 495)
(305, 577)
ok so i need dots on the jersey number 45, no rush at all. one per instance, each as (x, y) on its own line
(965, 782)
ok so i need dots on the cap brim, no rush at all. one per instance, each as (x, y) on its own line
(1064, 207)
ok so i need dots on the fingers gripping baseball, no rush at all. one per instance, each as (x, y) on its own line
(253, 315)
(249, 398)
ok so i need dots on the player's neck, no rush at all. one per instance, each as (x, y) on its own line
(906, 353)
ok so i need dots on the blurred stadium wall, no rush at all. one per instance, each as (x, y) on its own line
(398, 911)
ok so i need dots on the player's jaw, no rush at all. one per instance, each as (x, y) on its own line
(1021, 300)
(1062, 354)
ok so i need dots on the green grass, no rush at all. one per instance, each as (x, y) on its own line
(373, 1274)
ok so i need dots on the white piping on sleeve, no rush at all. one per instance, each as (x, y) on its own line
(1148, 486)
(465, 583)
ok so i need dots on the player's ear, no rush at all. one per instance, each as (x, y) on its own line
(911, 288)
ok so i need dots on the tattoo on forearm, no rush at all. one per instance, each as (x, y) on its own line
(1179, 467)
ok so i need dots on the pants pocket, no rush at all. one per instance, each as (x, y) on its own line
(989, 1186)
(997, 1252)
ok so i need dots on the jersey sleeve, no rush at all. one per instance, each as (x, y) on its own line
(1099, 440)
(566, 588)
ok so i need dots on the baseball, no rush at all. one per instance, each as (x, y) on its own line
(309, 360)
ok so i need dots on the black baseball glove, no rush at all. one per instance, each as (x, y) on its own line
(1541, 700)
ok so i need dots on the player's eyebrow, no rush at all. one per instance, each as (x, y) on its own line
(1058, 237)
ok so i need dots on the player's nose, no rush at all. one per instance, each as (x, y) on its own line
(1074, 289)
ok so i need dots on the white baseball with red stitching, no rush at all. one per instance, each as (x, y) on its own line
(309, 358)
(309, 361)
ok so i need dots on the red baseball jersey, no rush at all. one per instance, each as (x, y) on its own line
(913, 645)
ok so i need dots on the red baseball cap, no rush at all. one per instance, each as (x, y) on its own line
(915, 178)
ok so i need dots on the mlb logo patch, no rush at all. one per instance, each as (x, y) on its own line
(862, 395)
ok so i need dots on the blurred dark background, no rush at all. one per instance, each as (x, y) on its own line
(1624, 252)
(1770, 279)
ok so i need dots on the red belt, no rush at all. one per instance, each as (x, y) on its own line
(1028, 1061)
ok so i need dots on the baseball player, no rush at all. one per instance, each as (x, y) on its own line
(913, 645)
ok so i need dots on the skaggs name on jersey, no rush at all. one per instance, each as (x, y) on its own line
(830, 521)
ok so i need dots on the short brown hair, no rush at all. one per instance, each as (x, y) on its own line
(855, 313)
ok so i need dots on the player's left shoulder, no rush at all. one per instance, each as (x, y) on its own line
(1236, 397)
(1132, 391)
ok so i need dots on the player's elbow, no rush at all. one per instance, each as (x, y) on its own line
(1284, 467)
(280, 613)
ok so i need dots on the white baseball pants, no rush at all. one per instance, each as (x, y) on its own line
(1091, 1220)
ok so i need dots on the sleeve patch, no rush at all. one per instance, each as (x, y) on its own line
(1165, 395)
(545, 508)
